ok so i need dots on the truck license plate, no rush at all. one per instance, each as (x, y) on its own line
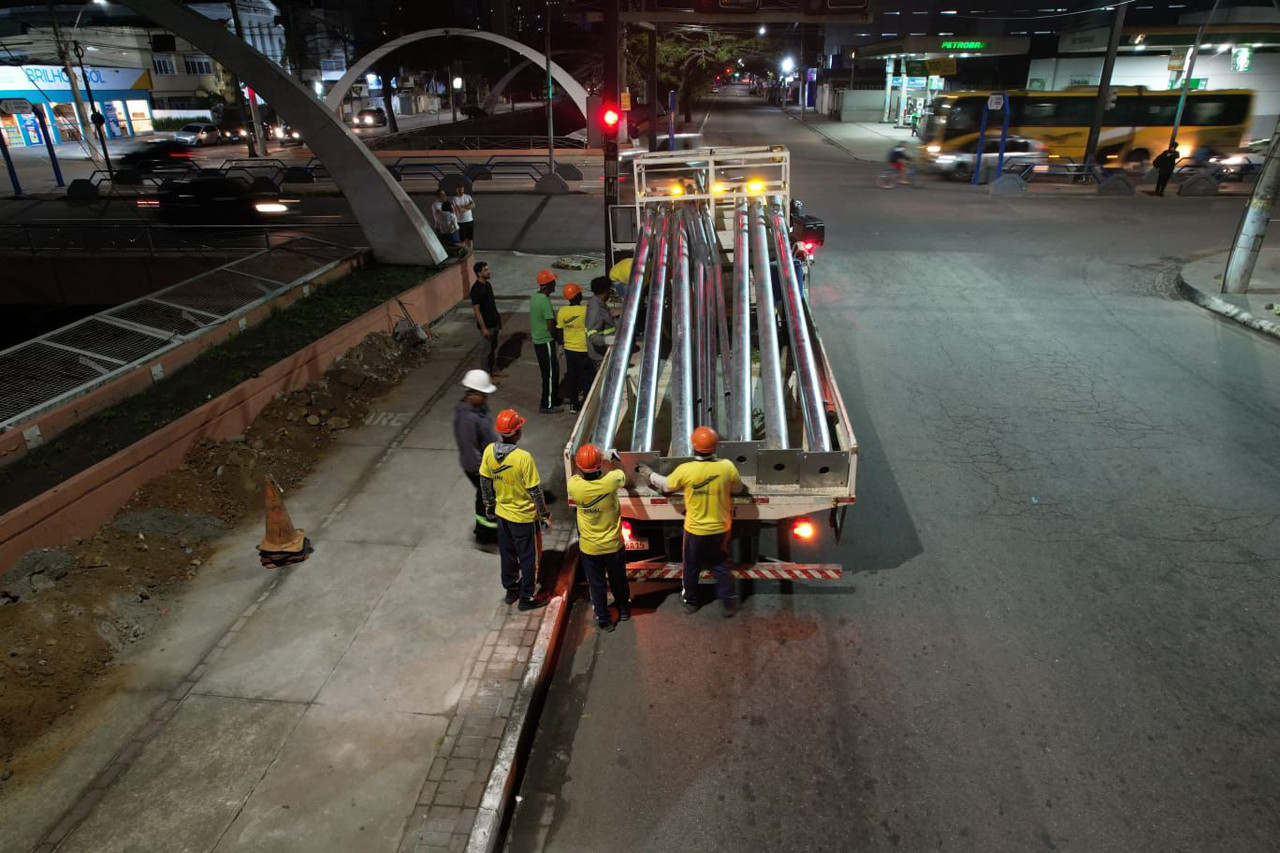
(634, 544)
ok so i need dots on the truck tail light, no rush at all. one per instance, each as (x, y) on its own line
(626, 531)
(803, 529)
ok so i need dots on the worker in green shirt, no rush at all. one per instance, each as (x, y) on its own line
(542, 332)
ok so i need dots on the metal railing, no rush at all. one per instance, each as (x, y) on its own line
(413, 141)
(47, 371)
(149, 239)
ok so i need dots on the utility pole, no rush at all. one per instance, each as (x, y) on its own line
(256, 130)
(98, 119)
(551, 119)
(82, 115)
(610, 92)
(1188, 69)
(1253, 227)
(653, 88)
(1104, 86)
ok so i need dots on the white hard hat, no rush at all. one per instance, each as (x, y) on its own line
(478, 380)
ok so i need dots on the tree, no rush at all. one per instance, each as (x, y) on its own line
(689, 60)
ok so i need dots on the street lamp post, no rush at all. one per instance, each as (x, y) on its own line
(96, 117)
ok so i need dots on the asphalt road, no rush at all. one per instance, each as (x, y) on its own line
(1058, 626)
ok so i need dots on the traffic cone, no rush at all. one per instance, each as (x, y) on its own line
(283, 543)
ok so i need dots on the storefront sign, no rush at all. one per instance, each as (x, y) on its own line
(963, 45)
(912, 82)
(941, 67)
(31, 130)
(54, 78)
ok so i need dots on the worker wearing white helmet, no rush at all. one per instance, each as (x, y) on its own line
(473, 430)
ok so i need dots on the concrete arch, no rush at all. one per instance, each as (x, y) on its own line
(393, 225)
(571, 87)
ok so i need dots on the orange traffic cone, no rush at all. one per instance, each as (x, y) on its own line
(283, 543)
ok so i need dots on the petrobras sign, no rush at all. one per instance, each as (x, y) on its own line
(54, 78)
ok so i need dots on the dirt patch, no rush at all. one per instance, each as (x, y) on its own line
(67, 612)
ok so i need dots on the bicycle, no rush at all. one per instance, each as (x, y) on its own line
(891, 177)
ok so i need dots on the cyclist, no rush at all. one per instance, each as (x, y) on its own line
(898, 161)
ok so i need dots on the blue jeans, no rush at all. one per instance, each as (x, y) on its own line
(519, 543)
(612, 568)
(702, 551)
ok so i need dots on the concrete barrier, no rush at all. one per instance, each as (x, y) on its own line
(1198, 185)
(1117, 184)
(76, 506)
(1008, 185)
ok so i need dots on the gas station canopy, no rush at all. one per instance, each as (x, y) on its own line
(944, 47)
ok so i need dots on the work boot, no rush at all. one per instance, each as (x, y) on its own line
(730, 609)
(607, 627)
(689, 608)
(551, 410)
(512, 596)
(532, 603)
(624, 614)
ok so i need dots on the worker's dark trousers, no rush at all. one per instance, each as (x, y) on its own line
(610, 569)
(486, 531)
(518, 542)
(581, 371)
(1162, 179)
(549, 367)
(709, 550)
(489, 351)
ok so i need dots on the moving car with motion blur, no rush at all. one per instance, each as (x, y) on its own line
(286, 135)
(160, 156)
(198, 134)
(957, 163)
(370, 117)
(218, 201)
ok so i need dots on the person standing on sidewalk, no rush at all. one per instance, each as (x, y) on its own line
(437, 208)
(542, 332)
(707, 483)
(463, 206)
(1165, 165)
(571, 323)
(595, 492)
(488, 320)
(473, 432)
(513, 499)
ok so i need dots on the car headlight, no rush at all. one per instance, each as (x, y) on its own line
(1235, 161)
(934, 149)
(296, 135)
(946, 158)
(270, 207)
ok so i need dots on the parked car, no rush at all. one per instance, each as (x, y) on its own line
(198, 134)
(218, 201)
(370, 117)
(1019, 151)
(1237, 167)
(241, 132)
(159, 156)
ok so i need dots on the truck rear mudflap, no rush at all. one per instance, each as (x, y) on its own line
(660, 570)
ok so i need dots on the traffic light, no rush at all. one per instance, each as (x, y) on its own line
(609, 118)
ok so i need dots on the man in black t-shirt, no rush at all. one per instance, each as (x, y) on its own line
(488, 320)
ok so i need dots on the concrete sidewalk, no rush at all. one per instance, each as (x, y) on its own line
(1201, 282)
(353, 702)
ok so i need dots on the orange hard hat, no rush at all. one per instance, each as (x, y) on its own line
(508, 422)
(705, 440)
(571, 290)
(588, 458)
(546, 277)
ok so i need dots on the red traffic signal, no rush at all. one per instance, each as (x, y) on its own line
(610, 117)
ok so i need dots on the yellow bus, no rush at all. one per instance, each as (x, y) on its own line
(1134, 131)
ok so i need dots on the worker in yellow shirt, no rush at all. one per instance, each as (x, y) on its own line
(707, 483)
(571, 323)
(513, 498)
(595, 493)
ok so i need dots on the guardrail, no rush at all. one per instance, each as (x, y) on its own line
(148, 239)
(415, 141)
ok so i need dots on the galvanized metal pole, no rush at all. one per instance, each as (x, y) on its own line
(772, 399)
(1192, 55)
(1253, 227)
(816, 430)
(681, 342)
(647, 383)
(740, 389)
(615, 377)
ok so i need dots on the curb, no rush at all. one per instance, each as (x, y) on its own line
(486, 835)
(831, 139)
(1226, 309)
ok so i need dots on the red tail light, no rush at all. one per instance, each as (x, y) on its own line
(148, 202)
(809, 245)
(626, 531)
(803, 529)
